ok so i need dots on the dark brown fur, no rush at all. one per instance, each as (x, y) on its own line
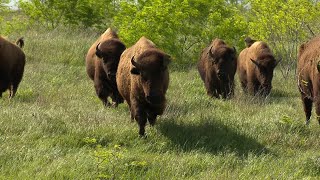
(12, 62)
(217, 67)
(255, 68)
(143, 80)
(309, 76)
(101, 64)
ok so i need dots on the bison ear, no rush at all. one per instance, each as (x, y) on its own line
(166, 60)
(98, 52)
(255, 62)
(318, 66)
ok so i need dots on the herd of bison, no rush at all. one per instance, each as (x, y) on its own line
(139, 74)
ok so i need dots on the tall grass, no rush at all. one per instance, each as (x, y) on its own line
(56, 127)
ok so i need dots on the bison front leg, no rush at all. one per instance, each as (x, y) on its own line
(102, 92)
(140, 116)
(211, 91)
(307, 106)
(251, 88)
(317, 106)
(116, 99)
(152, 118)
(103, 96)
(13, 90)
(3, 88)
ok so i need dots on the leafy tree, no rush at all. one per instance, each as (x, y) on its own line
(180, 27)
(284, 24)
(51, 13)
(3, 10)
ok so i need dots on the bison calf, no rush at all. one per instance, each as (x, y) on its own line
(12, 62)
(255, 68)
(101, 64)
(308, 71)
(142, 80)
(217, 67)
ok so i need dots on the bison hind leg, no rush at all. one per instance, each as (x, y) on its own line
(13, 90)
(307, 105)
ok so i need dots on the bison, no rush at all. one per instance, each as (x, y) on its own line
(12, 62)
(308, 71)
(217, 67)
(101, 64)
(255, 68)
(143, 80)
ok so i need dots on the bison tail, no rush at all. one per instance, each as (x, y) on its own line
(20, 42)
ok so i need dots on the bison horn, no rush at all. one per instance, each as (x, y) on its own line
(134, 63)
(210, 52)
(166, 60)
(277, 62)
(318, 66)
(255, 62)
(98, 52)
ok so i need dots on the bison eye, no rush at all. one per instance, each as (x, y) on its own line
(135, 71)
(144, 77)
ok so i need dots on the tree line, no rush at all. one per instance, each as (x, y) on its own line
(180, 27)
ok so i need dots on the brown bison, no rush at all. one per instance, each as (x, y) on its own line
(308, 71)
(143, 80)
(255, 68)
(12, 62)
(101, 64)
(217, 66)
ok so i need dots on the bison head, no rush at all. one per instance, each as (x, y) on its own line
(151, 69)
(109, 52)
(225, 62)
(265, 66)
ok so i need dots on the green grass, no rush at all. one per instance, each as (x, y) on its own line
(56, 127)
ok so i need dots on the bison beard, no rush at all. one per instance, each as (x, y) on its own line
(142, 80)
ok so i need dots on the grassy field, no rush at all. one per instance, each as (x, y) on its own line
(56, 127)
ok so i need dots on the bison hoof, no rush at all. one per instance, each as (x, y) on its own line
(307, 122)
(114, 104)
(106, 104)
(144, 136)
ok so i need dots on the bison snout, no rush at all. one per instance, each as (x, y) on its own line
(154, 99)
